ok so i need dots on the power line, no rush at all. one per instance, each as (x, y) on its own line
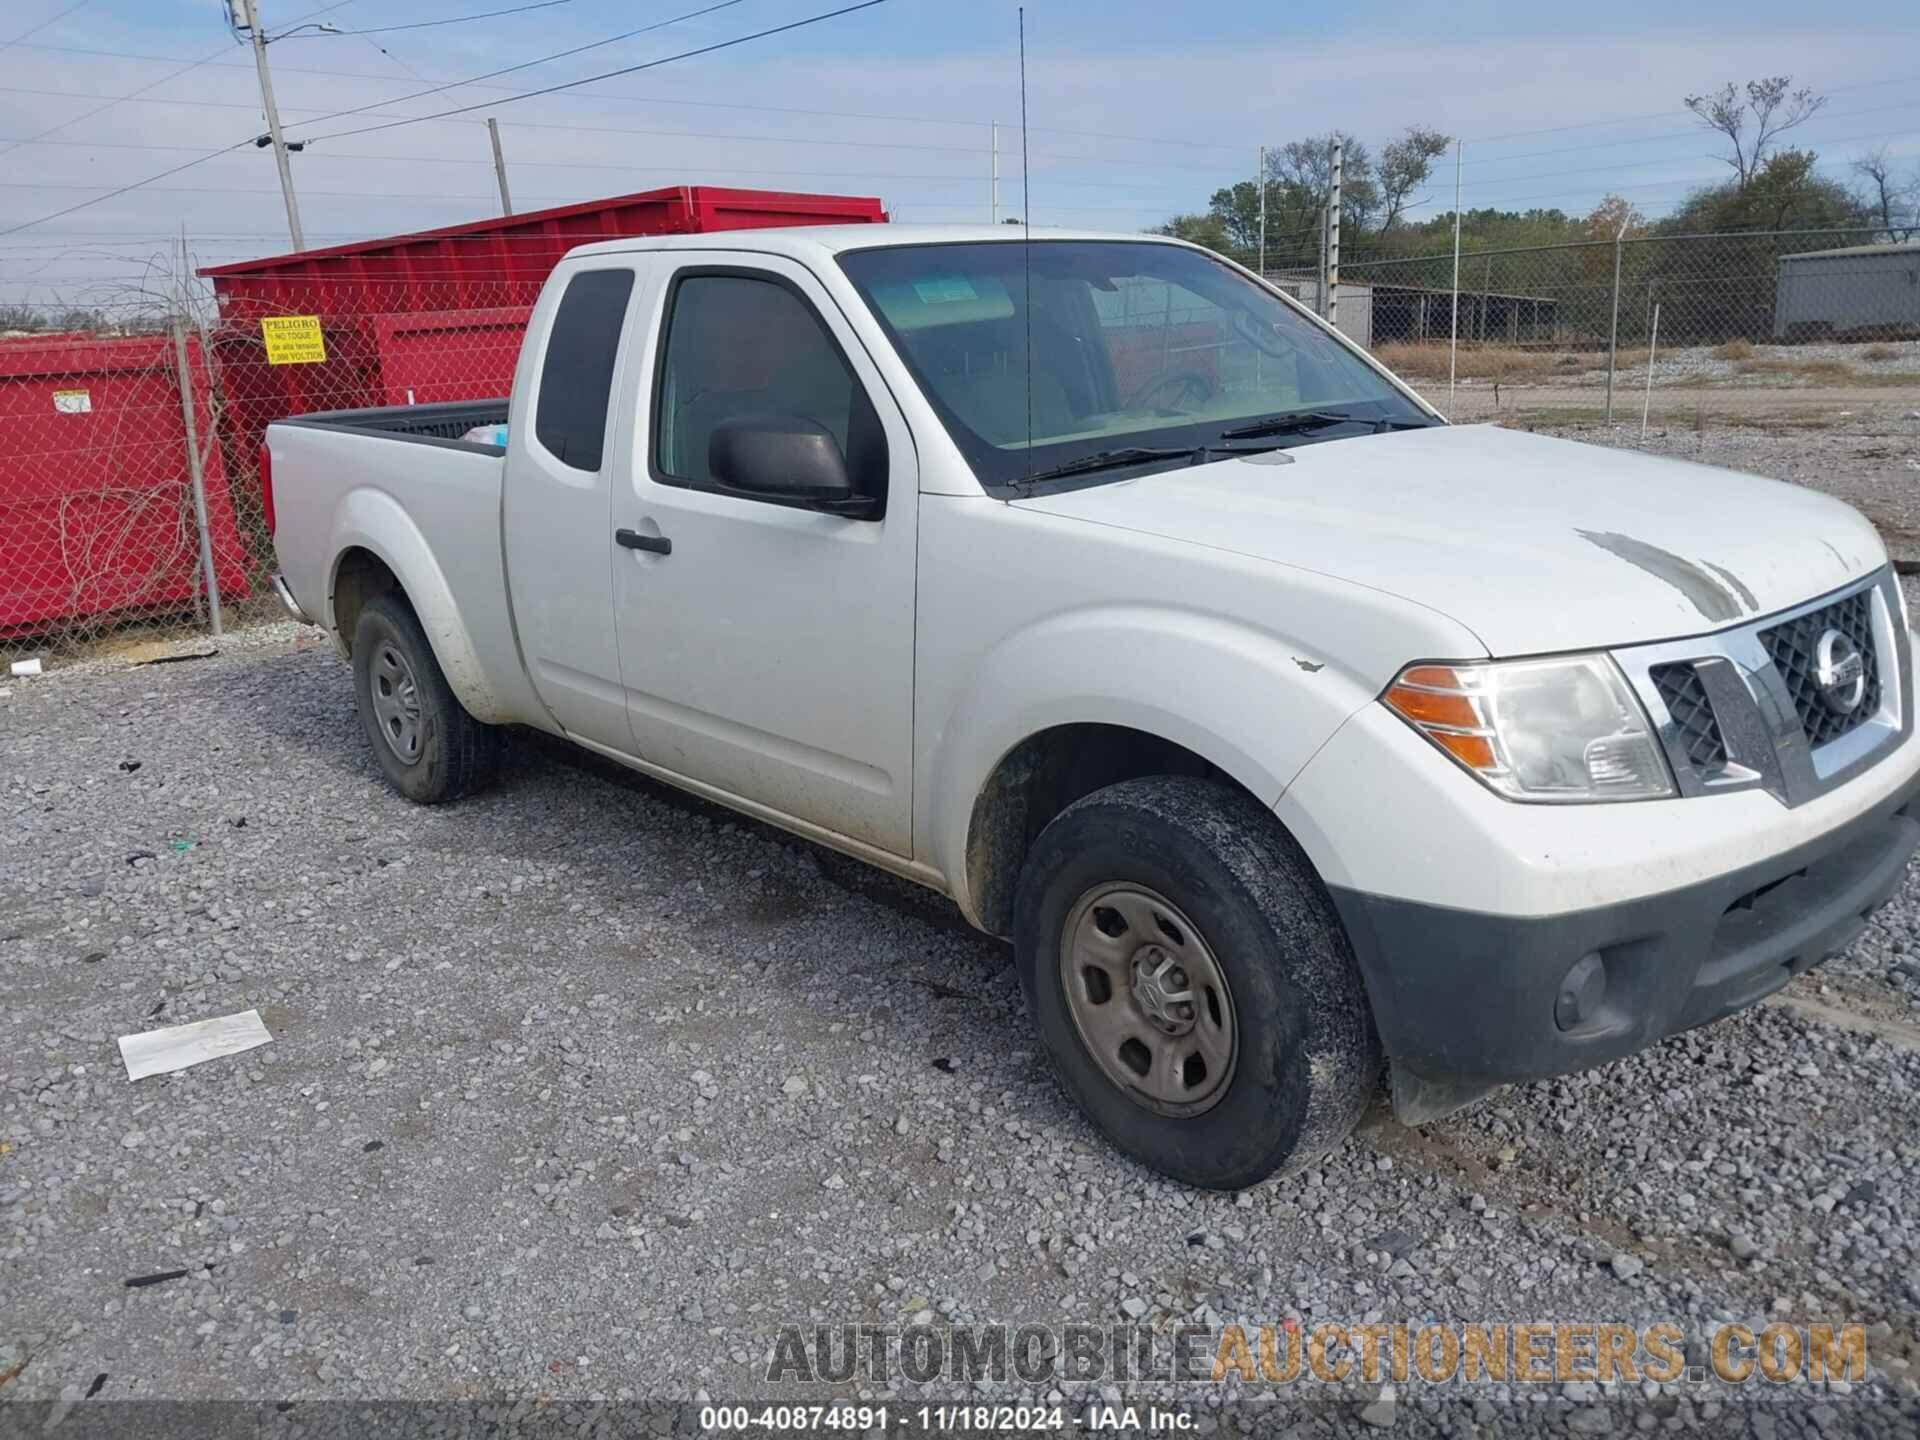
(136, 94)
(455, 20)
(1693, 132)
(541, 60)
(652, 64)
(958, 176)
(1670, 160)
(671, 100)
(123, 189)
(1660, 114)
(36, 29)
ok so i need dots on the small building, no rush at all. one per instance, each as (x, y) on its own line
(1413, 314)
(1862, 292)
(1355, 320)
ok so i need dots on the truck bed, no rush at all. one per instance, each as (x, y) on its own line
(441, 424)
(401, 485)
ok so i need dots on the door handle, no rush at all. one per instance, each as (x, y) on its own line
(634, 540)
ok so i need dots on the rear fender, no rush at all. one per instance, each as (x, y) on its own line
(372, 520)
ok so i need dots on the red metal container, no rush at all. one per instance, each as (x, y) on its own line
(438, 314)
(96, 509)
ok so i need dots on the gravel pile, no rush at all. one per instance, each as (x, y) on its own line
(582, 1089)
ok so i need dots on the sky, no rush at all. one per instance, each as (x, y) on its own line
(1137, 110)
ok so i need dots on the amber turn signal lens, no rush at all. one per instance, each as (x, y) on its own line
(1434, 707)
(1443, 705)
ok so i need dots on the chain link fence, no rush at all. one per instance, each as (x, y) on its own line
(130, 498)
(1799, 306)
(113, 520)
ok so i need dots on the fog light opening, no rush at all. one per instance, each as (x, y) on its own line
(1582, 992)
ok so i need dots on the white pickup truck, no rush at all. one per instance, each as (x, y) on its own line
(1288, 731)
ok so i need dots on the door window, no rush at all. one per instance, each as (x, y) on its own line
(740, 346)
(576, 377)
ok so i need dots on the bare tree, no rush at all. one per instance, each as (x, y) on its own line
(1306, 168)
(1405, 165)
(1896, 202)
(1769, 105)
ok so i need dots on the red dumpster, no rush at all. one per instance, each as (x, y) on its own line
(438, 314)
(96, 506)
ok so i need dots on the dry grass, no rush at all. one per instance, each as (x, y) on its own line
(1879, 352)
(1813, 372)
(1734, 350)
(1476, 362)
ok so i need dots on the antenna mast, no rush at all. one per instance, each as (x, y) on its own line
(1026, 234)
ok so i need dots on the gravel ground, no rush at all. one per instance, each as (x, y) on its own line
(1867, 455)
(582, 1089)
(1704, 364)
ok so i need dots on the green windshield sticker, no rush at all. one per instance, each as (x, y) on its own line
(944, 290)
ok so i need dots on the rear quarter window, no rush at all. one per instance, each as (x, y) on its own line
(576, 374)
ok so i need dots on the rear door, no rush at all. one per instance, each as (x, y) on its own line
(766, 646)
(555, 515)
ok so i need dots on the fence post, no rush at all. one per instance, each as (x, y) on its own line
(1320, 278)
(1260, 179)
(1613, 332)
(1653, 343)
(993, 139)
(1335, 206)
(1453, 341)
(185, 372)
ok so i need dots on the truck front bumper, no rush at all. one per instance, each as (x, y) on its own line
(1466, 1001)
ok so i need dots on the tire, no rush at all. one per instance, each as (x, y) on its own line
(430, 749)
(1212, 882)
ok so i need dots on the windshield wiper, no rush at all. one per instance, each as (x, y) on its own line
(1288, 424)
(1140, 455)
(1124, 455)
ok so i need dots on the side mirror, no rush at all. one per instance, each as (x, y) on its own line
(783, 457)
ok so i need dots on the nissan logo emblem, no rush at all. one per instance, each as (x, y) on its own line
(1841, 673)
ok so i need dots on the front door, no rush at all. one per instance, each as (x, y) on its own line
(766, 648)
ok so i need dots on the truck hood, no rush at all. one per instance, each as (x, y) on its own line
(1534, 544)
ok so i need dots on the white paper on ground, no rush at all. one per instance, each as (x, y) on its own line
(161, 1052)
(27, 667)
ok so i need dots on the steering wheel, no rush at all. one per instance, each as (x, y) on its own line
(1186, 389)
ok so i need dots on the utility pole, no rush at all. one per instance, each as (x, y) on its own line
(499, 166)
(249, 13)
(996, 172)
(1335, 204)
(1260, 179)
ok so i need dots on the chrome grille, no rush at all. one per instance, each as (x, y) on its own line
(1741, 708)
(1696, 728)
(1792, 647)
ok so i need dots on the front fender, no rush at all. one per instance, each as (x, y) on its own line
(1250, 702)
(372, 520)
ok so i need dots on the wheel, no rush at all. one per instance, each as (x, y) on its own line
(429, 747)
(1192, 983)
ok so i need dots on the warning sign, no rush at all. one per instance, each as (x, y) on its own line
(293, 340)
(73, 402)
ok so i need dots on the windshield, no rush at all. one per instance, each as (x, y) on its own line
(1136, 346)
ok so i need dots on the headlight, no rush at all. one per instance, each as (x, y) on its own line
(1566, 729)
